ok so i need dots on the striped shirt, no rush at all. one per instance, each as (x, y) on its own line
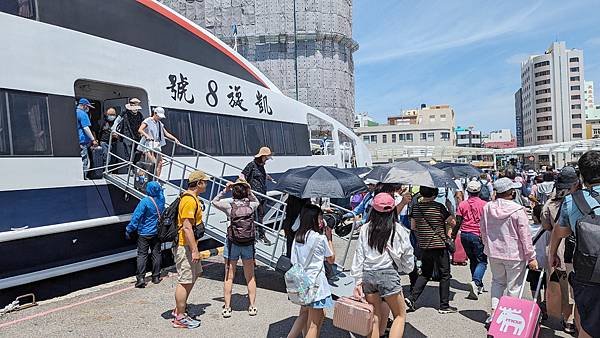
(428, 215)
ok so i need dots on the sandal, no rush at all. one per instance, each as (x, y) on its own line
(226, 312)
(252, 310)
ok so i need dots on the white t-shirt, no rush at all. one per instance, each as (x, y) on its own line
(313, 264)
(541, 244)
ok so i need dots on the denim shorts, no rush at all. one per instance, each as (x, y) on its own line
(386, 282)
(238, 251)
(324, 303)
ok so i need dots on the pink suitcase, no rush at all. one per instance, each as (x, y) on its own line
(459, 257)
(353, 315)
(517, 317)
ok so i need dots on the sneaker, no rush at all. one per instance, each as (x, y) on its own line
(252, 311)
(488, 320)
(473, 291)
(226, 312)
(568, 327)
(140, 284)
(185, 322)
(410, 307)
(481, 289)
(449, 309)
(155, 280)
(266, 241)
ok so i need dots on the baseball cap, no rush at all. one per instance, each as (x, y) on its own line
(474, 186)
(197, 175)
(85, 102)
(505, 184)
(160, 111)
(566, 179)
(384, 202)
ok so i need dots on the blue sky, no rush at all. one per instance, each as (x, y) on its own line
(463, 53)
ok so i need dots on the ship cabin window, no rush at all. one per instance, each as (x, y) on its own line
(24, 8)
(226, 135)
(24, 124)
(321, 135)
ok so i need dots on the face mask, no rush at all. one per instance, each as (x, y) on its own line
(110, 118)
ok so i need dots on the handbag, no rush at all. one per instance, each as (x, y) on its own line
(283, 264)
(353, 315)
(449, 243)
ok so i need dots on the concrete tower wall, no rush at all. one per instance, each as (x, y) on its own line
(322, 43)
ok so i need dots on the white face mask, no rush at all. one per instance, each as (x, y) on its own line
(111, 118)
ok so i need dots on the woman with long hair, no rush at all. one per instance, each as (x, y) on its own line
(309, 238)
(383, 250)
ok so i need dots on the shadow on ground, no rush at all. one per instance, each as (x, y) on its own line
(265, 278)
(193, 310)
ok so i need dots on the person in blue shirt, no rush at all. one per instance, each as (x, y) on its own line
(86, 138)
(586, 294)
(144, 222)
(365, 205)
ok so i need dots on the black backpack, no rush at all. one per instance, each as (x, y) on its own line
(586, 261)
(168, 223)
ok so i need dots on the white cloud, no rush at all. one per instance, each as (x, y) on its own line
(516, 59)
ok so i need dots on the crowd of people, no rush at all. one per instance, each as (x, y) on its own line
(508, 223)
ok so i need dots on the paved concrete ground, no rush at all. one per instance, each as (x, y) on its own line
(119, 310)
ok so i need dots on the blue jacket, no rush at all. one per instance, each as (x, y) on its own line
(363, 208)
(145, 217)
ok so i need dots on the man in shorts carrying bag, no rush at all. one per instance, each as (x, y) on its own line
(185, 251)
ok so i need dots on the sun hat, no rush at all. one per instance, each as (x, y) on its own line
(85, 102)
(383, 202)
(264, 151)
(474, 187)
(197, 175)
(370, 181)
(505, 184)
(239, 181)
(134, 104)
(566, 179)
(160, 111)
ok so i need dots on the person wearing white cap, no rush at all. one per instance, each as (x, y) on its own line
(507, 241)
(364, 206)
(153, 133)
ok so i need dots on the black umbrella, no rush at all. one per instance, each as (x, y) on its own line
(458, 170)
(320, 181)
(413, 173)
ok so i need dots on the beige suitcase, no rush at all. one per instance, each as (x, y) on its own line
(353, 315)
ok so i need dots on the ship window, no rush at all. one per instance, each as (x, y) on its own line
(4, 136)
(274, 137)
(233, 135)
(205, 131)
(24, 8)
(178, 124)
(290, 142)
(255, 135)
(29, 124)
(301, 136)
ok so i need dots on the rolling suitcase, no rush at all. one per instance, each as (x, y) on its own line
(459, 257)
(517, 317)
(353, 315)
(97, 163)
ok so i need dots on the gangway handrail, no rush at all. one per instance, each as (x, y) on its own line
(278, 205)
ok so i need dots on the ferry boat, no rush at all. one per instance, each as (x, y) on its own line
(53, 222)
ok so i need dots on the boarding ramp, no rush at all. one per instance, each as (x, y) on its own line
(123, 172)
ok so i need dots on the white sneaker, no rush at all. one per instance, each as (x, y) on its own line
(473, 288)
(481, 289)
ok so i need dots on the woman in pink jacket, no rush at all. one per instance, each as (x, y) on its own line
(507, 242)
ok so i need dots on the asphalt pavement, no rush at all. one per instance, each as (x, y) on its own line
(119, 310)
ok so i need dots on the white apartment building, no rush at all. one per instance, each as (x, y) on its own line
(502, 135)
(425, 126)
(552, 96)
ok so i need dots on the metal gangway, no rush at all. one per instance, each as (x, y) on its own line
(122, 172)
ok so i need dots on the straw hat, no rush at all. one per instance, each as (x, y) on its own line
(264, 151)
(239, 181)
(134, 104)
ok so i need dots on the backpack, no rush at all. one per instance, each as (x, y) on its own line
(542, 196)
(168, 223)
(586, 260)
(242, 230)
(484, 194)
(300, 288)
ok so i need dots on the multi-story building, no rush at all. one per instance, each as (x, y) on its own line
(468, 137)
(500, 139)
(519, 117)
(552, 97)
(304, 47)
(364, 120)
(426, 126)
